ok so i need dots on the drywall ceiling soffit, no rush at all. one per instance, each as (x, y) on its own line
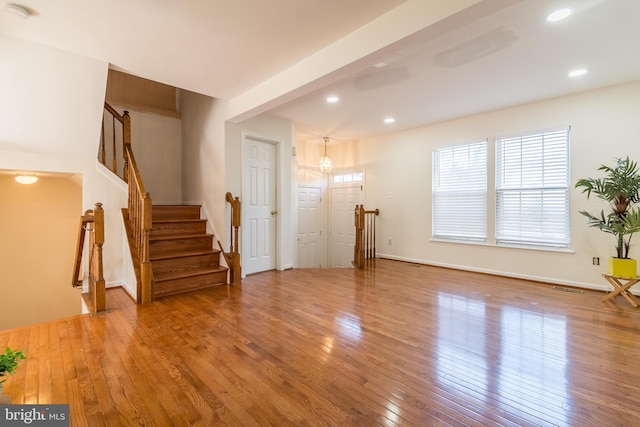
(485, 59)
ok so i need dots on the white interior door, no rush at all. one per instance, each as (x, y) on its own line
(343, 204)
(309, 224)
(259, 206)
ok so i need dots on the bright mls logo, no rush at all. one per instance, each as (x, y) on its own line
(36, 415)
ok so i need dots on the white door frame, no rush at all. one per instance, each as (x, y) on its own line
(246, 136)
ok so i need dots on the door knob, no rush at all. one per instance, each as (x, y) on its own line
(274, 212)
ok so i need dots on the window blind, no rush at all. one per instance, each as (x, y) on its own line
(460, 192)
(532, 189)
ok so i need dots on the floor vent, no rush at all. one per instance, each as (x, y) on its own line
(559, 288)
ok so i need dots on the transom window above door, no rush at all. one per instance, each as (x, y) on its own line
(347, 177)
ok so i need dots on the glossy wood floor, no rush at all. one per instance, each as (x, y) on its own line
(398, 345)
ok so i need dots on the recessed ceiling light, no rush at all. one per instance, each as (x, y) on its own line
(332, 99)
(558, 15)
(26, 179)
(389, 120)
(17, 10)
(578, 73)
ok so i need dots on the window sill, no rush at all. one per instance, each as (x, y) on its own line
(506, 245)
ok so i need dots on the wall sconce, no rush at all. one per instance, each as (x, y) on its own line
(325, 162)
(26, 179)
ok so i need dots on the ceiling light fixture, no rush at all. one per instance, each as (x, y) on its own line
(578, 73)
(325, 162)
(26, 179)
(332, 99)
(389, 120)
(16, 10)
(558, 15)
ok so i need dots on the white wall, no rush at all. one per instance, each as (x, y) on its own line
(51, 108)
(203, 157)
(156, 141)
(604, 125)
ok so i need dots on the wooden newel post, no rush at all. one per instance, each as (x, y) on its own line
(358, 251)
(98, 293)
(233, 257)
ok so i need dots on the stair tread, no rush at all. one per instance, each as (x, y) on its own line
(185, 254)
(176, 205)
(185, 220)
(179, 236)
(189, 273)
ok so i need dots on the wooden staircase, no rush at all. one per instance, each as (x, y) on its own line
(170, 249)
(181, 252)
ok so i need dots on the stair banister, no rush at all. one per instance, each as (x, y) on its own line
(365, 244)
(126, 142)
(92, 222)
(139, 215)
(233, 256)
(139, 203)
(124, 123)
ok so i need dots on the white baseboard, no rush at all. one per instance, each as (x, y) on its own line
(551, 280)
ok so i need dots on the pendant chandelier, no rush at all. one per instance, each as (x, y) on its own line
(325, 162)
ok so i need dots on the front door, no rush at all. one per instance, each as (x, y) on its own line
(259, 206)
(343, 232)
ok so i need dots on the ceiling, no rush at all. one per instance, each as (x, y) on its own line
(219, 48)
(494, 54)
(488, 61)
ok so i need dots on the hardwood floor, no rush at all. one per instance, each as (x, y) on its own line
(400, 344)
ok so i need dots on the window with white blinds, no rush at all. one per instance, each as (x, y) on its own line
(532, 189)
(460, 192)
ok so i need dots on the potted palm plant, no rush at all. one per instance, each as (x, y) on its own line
(9, 361)
(620, 188)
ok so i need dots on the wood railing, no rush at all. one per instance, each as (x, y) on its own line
(115, 136)
(233, 256)
(139, 215)
(139, 203)
(365, 246)
(91, 222)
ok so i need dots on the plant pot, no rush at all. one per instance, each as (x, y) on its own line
(623, 267)
(4, 399)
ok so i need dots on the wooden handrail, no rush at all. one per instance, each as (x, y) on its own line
(139, 214)
(365, 245)
(93, 222)
(139, 203)
(113, 112)
(233, 256)
(85, 219)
